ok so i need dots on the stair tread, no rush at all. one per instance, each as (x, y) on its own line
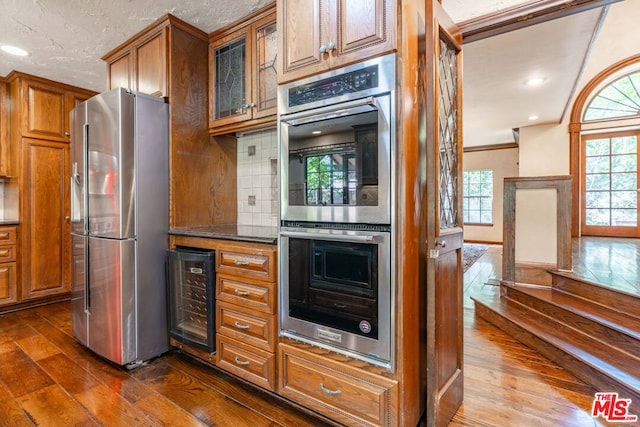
(591, 310)
(611, 362)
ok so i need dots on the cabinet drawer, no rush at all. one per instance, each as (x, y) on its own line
(250, 363)
(8, 283)
(7, 253)
(7, 235)
(247, 293)
(247, 261)
(350, 396)
(246, 325)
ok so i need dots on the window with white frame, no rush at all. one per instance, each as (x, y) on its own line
(477, 196)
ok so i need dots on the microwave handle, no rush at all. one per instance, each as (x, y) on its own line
(334, 237)
(332, 111)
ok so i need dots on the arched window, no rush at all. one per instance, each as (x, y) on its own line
(621, 98)
(605, 153)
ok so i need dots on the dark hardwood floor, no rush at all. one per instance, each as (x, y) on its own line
(48, 379)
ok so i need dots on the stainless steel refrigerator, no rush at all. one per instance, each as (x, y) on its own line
(119, 225)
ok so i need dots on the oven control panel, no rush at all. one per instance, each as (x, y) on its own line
(338, 85)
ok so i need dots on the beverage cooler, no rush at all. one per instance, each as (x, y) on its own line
(191, 289)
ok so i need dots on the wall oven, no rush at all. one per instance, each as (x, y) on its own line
(336, 167)
(336, 138)
(335, 289)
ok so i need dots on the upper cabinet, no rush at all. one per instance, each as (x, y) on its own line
(43, 106)
(4, 129)
(141, 64)
(331, 34)
(243, 77)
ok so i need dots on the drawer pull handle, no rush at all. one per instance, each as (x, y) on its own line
(241, 362)
(241, 326)
(240, 262)
(241, 293)
(329, 391)
(339, 306)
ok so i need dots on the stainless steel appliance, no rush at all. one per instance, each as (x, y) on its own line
(119, 225)
(191, 296)
(335, 248)
(336, 143)
(335, 289)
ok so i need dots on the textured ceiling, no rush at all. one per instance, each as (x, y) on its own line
(66, 38)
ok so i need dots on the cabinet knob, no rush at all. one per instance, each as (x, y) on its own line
(323, 49)
(67, 134)
(331, 46)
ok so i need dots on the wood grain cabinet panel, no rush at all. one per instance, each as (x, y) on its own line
(8, 283)
(258, 295)
(45, 112)
(333, 33)
(245, 260)
(45, 240)
(119, 72)
(349, 396)
(245, 361)
(8, 265)
(243, 74)
(5, 159)
(151, 68)
(246, 325)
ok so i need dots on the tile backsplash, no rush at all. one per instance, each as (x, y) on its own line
(258, 178)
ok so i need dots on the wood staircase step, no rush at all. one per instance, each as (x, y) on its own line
(605, 367)
(600, 322)
(623, 302)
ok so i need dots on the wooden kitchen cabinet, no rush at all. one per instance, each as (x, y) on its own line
(40, 170)
(44, 106)
(243, 77)
(46, 240)
(8, 266)
(246, 314)
(5, 170)
(350, 395)
(331, 34)
(142, 64)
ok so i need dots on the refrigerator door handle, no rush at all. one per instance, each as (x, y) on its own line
(85, 199)
(87, 279)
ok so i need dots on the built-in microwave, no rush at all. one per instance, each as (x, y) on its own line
(336, 138)
(336, 289)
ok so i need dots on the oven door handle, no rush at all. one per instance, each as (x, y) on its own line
(332, 111)
(376, 238)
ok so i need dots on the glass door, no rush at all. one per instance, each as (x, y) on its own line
(610, 184)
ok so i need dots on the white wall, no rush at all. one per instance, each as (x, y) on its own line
(504, 163)
(544, 149)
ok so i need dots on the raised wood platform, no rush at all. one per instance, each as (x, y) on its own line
(592, 331)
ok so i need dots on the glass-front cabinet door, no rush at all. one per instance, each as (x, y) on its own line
(243, 73)
(265, 76)
(230, 79)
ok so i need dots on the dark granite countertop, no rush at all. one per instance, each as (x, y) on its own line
(9, 222)
(244, 233)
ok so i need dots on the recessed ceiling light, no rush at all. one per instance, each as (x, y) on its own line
(316, 132)
(13, 50)
(535, 81)
(533, 117)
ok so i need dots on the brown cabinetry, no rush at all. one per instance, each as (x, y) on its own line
(142, 64)
(169, 58)
(346, 394)
(8, 269)
(246, 314)
(4, 129)
(45, 198)
(243, 78)
(39, 163)
(331, 33)
(246, 311)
